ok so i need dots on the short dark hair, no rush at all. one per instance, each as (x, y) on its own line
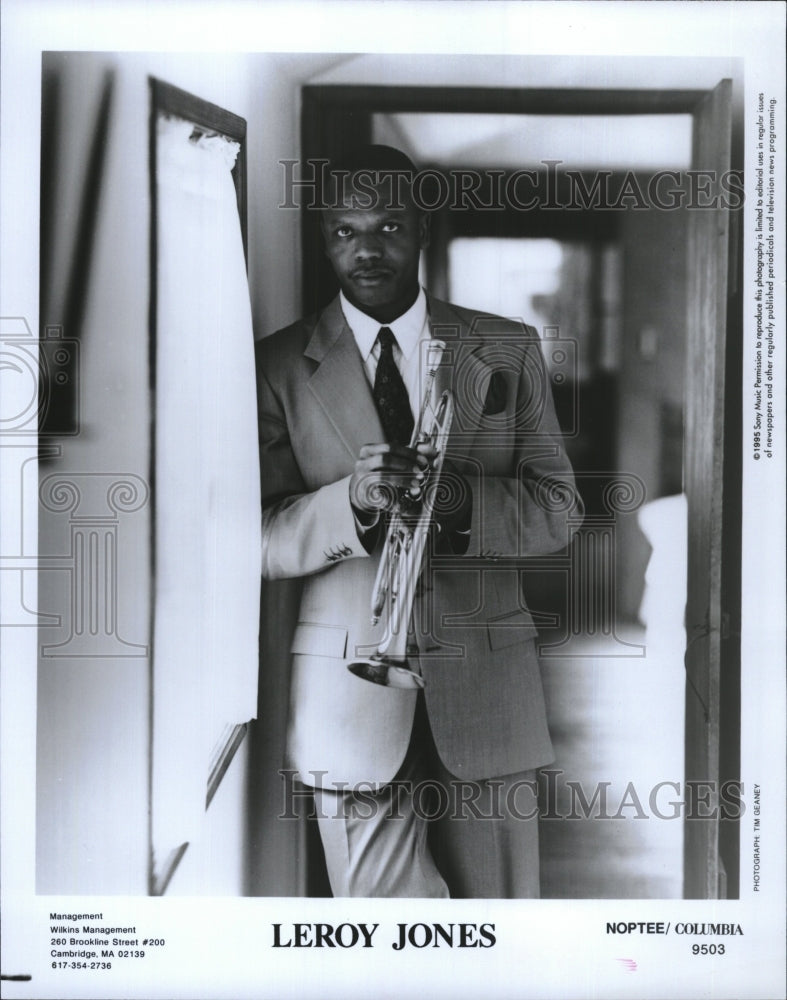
(374, 157)
(382, 166)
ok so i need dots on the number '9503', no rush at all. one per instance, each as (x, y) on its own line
(707, 949)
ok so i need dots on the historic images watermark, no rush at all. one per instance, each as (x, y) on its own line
(546, 360)
(40, 414)
(313, 184)
(547, 797)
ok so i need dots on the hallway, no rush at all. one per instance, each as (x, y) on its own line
(616, 720)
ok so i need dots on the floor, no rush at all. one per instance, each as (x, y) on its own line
(615, 719)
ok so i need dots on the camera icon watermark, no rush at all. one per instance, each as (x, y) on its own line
(39, 414)
(40, 382)
(504, 377)
(584, 569)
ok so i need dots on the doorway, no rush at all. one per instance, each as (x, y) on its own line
(688, 262)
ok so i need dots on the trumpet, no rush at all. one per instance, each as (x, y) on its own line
(405, 543)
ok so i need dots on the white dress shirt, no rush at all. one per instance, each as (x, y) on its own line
(411, 330)
(412, 333)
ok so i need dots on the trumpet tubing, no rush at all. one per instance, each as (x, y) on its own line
(403, 552)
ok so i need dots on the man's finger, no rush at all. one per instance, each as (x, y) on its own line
(426, 454)
(385, 448)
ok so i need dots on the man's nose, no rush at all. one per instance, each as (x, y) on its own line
(368, 247)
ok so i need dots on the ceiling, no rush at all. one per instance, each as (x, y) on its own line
(517, 141)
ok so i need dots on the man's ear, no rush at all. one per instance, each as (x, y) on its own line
(424, 229)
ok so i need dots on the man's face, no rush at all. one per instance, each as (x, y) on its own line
(375, 254)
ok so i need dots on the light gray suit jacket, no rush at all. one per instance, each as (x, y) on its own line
(475, 635)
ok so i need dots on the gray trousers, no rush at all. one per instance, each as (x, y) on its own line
(429, 834)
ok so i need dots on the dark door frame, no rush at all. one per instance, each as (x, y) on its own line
(335, 117)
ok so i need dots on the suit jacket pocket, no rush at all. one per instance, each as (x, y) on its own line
(311, 639)
(511, 628)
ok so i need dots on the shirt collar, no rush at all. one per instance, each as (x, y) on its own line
(407, 328)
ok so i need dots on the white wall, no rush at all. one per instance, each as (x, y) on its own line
(93, 713)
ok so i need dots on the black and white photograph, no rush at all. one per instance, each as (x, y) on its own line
(393, 462)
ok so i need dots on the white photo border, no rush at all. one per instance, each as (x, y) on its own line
(550, 948)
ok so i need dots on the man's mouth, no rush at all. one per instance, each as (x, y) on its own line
(372, 275)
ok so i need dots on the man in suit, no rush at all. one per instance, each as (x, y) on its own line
(427, 793)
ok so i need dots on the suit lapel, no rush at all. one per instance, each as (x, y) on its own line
(342, 389)
(445, 325)
(463, 370)
(340, 384)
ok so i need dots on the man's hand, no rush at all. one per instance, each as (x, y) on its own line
(382, 471)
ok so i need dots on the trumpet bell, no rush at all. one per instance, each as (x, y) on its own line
(386, 673)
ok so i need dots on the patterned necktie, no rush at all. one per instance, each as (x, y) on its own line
(390, 394)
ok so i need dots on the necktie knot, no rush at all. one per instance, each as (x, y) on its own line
(386, 338)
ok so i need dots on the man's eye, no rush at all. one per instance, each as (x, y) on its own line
(390, 227)
(344, 231)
